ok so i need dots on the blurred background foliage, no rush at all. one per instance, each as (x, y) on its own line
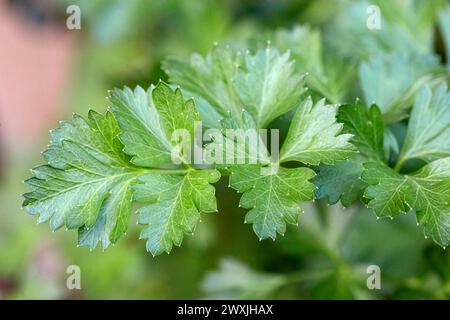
(122, 43)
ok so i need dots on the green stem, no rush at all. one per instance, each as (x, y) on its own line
(167, 171)
(399, 164)
(322, 211)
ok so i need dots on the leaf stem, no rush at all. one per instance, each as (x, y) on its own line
(322, 211)
(168, 171)
(399, 164)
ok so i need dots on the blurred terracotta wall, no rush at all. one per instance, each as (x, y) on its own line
(35, 66)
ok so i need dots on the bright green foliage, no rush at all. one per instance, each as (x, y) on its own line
(428, 132)
(406, 26)
(331, 78)
(366, 126)
(148, 120)
(173, 201)
(267, 85)
(391, 144)
(86, 182)
(274, 193)
(228, 81)
(274, 199)
(386, 191)
(210, 78)
(140, 150)
(342, 180)
(314, 137)
(90, 180)
(248, 147)
(391, 81)
(425, 192)
(172, 205)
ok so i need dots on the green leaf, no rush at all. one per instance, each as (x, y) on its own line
(406, 26)
(431, 200)
(174, 198)
(87, 177)
(305, 46)
(267, 85)
(342, 181)
(391, 144)
(272, 192)
(89, 182)
(391, 81)
(241, 142)
(331, 78)
(314, 135)
(108, 228)
(227, 82)
(172, 206)
(426, 192)
(174, 113)
(211, 79)
(366, 127)
(148, 120)
(428, 132)
(274, 199)
(387, 190)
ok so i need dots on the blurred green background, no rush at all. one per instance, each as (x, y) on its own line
(122, 43)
